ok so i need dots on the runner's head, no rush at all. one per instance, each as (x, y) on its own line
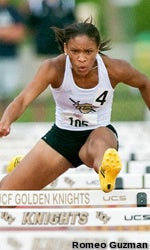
(86, 28)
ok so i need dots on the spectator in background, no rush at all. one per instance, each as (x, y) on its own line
(44, 14)
(12, 32)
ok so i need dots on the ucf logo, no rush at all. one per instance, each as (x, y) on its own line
(84, 108)
(7, 217)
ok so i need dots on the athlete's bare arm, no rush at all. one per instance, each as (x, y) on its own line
(50, 72)
(122, 71)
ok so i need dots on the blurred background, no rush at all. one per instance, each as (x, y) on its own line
(125, 22)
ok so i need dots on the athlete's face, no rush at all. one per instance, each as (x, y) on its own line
(82, 51)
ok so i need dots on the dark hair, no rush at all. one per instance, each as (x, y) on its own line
(81, 28)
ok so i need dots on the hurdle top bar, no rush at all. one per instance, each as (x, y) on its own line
(61, 198)
(91, 181)
(45, 219)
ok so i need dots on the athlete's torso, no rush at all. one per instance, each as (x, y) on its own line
(83, 109)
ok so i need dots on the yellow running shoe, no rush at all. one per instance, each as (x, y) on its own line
(14, 162)
(108, 171)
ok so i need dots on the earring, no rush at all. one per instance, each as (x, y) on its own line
(65, 53)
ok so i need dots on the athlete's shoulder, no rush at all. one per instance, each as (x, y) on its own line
(113, 62)
(54, 68)
(117, 69)
(57, 62)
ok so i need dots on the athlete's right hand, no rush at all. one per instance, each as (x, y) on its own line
(4, 129)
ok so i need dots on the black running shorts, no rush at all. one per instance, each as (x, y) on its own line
(68, 143)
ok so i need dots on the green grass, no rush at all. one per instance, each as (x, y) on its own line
(39, 111)
(128, 105)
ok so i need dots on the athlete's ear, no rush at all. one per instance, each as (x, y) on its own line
(65, 48)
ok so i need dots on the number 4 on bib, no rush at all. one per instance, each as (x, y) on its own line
(102, 97)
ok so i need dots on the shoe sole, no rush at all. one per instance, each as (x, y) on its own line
(110, 168)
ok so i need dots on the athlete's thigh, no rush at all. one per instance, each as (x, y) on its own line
(103, 135)
(38, 168)
(96, 144)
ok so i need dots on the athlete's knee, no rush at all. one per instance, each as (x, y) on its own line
(87, 153)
